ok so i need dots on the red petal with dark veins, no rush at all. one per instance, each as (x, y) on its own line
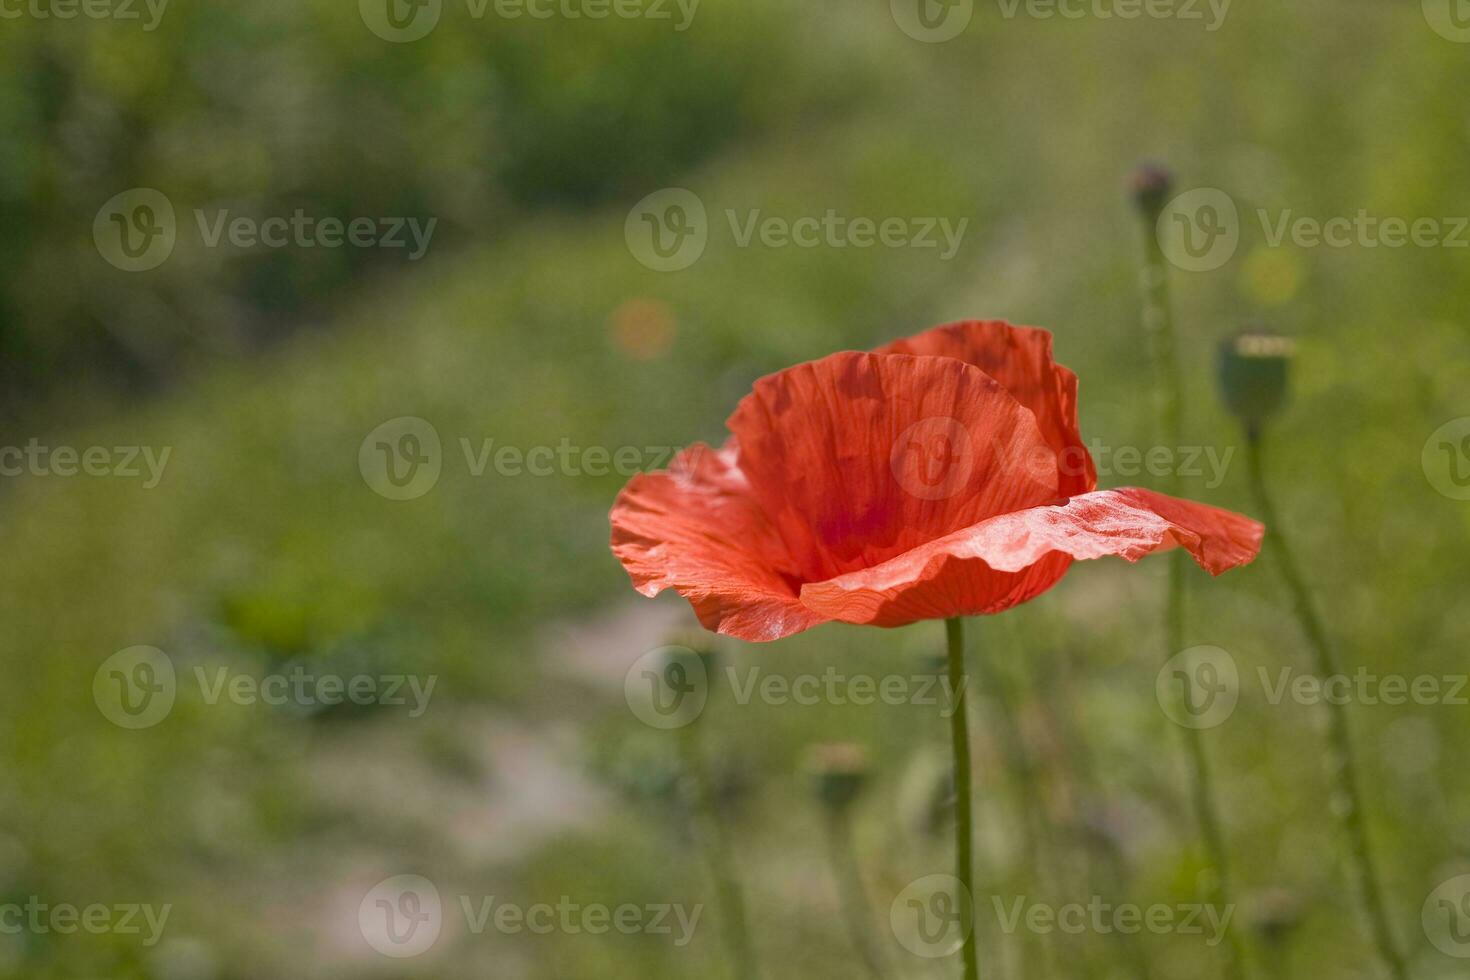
(1020, 359)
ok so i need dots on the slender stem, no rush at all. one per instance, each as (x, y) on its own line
(1158, 323)
(1342, 761)
(853, 897)
(959, 731)
(717, 852)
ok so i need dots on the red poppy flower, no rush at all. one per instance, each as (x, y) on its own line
(942, 475)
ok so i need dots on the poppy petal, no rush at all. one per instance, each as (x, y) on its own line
(1020, 358)
(858, 458)
(694, 528)
(1014, 557)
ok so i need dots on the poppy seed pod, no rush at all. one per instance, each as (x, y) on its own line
(1150, 184)
(1253, 375)
(839, 771)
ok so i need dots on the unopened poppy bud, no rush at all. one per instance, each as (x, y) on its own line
(1278, 912)
(1150, 185)
(1253, 375)
(839, 771)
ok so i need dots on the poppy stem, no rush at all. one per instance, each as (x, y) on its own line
(1158, 325)
(959, 731)
(717, 853)
(1342, 762)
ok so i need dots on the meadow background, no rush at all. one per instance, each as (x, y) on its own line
(531, 321)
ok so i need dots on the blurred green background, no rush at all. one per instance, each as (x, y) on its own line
(531, 321)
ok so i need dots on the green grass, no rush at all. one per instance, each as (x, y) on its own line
(264, 545)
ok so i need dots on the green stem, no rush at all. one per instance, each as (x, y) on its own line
(1342, 761)
(959, 731)
(853, 897)
(717, 853)
(1158, 324)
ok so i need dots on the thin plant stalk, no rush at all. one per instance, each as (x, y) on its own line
(964, 837)
(717, 853)
(1342, 762)
(1158, 323)
(852, 897)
